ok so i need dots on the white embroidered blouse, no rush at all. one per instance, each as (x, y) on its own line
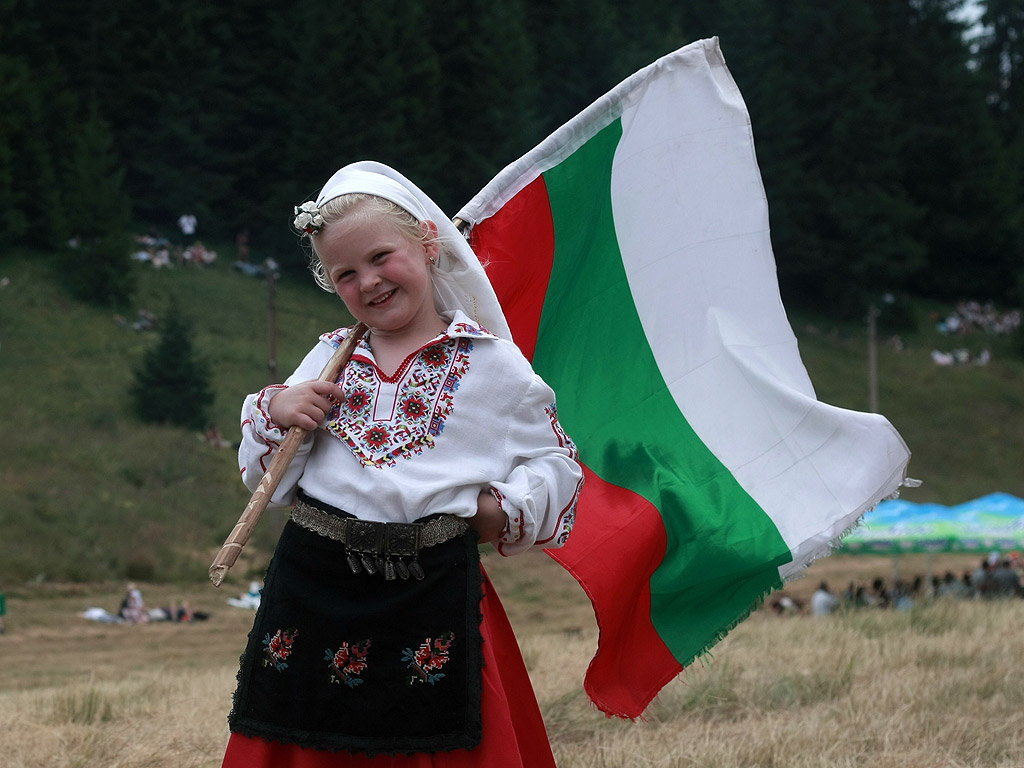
(463, 414)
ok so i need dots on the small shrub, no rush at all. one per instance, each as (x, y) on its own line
(173, 384)
(95, 212)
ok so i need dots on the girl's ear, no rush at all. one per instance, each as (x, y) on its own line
(430, 242)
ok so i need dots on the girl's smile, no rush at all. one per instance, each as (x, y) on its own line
(381, 274)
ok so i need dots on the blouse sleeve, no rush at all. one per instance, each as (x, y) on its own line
(540, 493)
(261, 437)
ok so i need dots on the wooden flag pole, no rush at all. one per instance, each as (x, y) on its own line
(271, 479)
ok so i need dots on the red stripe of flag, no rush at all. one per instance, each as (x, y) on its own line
(517, 245)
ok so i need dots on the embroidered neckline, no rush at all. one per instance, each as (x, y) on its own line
(459, 327)
(381, 420)
(456, 329)
(367, 357)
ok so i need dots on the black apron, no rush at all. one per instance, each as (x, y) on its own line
(343, 661)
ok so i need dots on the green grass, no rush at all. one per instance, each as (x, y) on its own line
(89, 493)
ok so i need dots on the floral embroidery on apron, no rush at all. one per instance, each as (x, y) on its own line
(429, 657)
(347, 663)
(278, 648)
(339, 661)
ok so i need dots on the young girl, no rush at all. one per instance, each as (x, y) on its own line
(379, 640)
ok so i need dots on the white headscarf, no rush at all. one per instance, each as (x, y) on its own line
(459, 279)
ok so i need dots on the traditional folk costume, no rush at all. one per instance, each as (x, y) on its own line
(379, 640)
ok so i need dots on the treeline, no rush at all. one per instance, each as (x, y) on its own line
(890, 133)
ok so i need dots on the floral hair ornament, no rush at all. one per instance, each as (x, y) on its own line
(308, 218)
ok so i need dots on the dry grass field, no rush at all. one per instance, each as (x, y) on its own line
(940, 685)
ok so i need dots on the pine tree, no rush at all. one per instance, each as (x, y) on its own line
(951, 162)
(18, 98)
(96, 212)
(1000, 60)
(33, 106)
(487, 96)
(577, 49)
(173, 384)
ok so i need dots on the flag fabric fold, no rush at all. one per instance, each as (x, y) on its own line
(631, 254)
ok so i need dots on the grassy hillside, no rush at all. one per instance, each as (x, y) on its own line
(88, 493)
(964, 424)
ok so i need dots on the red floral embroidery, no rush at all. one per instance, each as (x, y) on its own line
(414, 408)
(358, 400)
(377, 436)
(348, 662)
(431, 655)
(436, 356)
(278, 648)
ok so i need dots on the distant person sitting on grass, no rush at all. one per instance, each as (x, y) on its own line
(1005, 582)
(178, 612)
(133, 609)
(250, 599)
(953, 587)
(101, 615)
(823, 602)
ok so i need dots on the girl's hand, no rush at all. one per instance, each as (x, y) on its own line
(303, 405)
(489, 520)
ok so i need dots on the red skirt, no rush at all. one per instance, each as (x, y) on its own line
(513, 730)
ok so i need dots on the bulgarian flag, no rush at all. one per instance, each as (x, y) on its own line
(631, 254)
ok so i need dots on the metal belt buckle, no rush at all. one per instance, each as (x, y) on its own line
(366, 539)
(380, 548)
(364, 536)
(401, 539)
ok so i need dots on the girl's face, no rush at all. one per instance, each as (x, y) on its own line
(381, 274)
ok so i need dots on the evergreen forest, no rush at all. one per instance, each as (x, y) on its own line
(890, 133)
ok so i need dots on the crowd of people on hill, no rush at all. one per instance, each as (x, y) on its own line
(995, 578)
(159, 253)
(971, 316)
(961, 356)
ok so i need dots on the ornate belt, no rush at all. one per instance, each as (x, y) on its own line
(388, 548)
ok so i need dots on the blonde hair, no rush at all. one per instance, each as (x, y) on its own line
(359, 207)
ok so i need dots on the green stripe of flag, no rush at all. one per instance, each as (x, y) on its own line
(717, 535)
